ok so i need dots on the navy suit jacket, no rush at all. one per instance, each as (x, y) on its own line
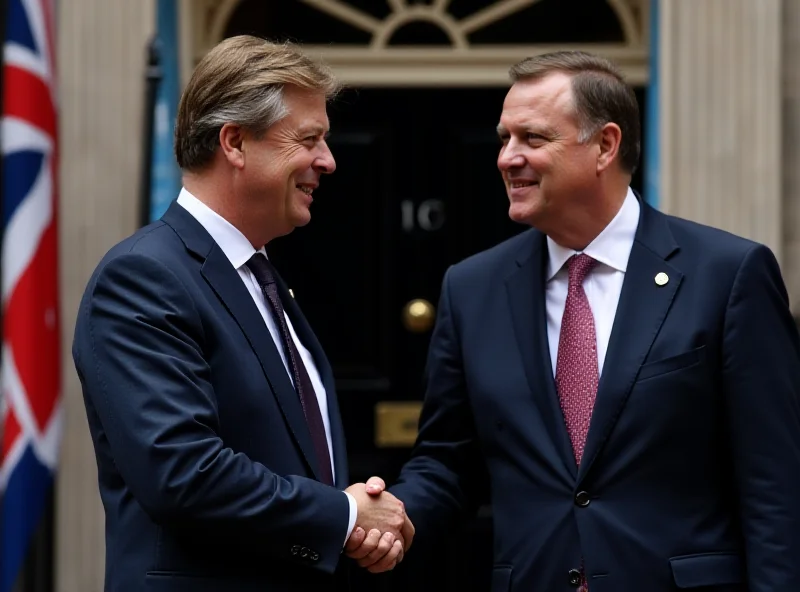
(692, 459)
(206, 466)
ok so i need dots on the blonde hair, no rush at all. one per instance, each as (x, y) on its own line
(241, 81)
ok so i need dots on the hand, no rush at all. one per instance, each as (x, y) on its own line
(376, 486)
(373, 551)
(383, 532)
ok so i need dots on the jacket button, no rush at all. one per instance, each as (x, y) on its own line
(582, 499)
(574, 578)
(314, 556)
(295, 549)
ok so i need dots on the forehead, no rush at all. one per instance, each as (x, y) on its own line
(306, 107)
(546, 100)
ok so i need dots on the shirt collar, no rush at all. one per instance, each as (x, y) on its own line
(611, 247)
(233, 243)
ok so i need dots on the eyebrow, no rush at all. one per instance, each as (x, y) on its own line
(537, 130)
(316, 130)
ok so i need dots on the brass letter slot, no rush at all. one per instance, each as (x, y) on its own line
(396, 423)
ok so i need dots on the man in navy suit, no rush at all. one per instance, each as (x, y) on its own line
(211, 404)
(630, 381)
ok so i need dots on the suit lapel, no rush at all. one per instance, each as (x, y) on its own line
(643, 306)
(526, 293)
(310, 341)
(226, 283)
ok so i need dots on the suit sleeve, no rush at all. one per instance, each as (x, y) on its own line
(441, 482)
(761, 374)
(139, 350)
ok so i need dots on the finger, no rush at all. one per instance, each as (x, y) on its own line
(356, 538)
(407, 532)
(368, 546)
(390, 560)
(384, 546)
(375, 486)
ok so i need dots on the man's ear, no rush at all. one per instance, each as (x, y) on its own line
(609, 140)
(231, 138)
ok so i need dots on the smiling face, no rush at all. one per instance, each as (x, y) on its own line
(281, 169)
(546, 169)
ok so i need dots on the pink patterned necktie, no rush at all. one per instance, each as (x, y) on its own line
(577, 374)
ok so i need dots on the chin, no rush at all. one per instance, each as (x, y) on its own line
(301, 219)
(523, 213)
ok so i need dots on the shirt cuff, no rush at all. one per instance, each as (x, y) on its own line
(353, 515)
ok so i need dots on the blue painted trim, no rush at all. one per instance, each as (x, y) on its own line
(165, 176)
(652, 164)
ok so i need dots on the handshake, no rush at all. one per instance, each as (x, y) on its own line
(382, 533)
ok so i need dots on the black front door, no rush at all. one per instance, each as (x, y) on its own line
(416, 189)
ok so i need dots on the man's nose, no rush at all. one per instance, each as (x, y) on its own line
(325, 163)
(510, 158)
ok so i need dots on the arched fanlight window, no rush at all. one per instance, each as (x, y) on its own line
(438, 42)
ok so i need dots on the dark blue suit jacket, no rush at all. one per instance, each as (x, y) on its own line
(206, 466)
(692, 459)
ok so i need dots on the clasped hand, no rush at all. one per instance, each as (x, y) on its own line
(383, 533)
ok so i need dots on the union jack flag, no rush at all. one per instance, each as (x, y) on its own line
(30, 375)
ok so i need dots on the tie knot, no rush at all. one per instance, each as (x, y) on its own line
(262, 269)
(579, 267)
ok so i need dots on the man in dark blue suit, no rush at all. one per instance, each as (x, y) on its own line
(211, 404)
(628, 382)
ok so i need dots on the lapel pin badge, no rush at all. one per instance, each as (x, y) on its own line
(661, 279)
(291, 292)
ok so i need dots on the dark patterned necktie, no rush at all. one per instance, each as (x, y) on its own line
(265, 275)
(577, 373)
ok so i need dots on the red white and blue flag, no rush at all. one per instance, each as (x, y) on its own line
(30, 375)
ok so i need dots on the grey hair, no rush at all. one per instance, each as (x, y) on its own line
(600, 95)
(256, 113)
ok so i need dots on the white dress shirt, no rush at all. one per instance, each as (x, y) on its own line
(611, 249)
(238, 250)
